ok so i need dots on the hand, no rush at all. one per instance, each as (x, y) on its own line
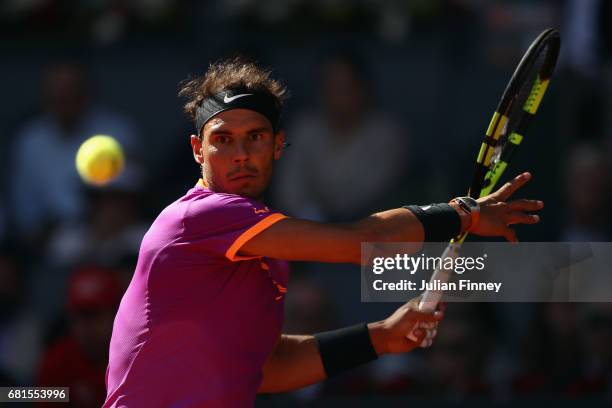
(497, 213)
(389, 335)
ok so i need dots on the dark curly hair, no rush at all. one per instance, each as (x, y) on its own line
(234, 72)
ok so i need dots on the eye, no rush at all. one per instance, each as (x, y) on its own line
(223, 139)
(257, 136)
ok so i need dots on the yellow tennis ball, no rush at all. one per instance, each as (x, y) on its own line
(99, 160)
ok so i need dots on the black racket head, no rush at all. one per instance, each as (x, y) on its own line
(517, 107)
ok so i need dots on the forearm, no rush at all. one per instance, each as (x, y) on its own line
(401, 225)
(397, 225)
(297, 360)
(302, 240)
(294, 363)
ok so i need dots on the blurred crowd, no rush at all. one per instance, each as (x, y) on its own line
(389, 102)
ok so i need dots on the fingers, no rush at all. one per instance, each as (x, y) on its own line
(417, 334)
(525, 205)
(414, 302)
(510, 235)
(428, 325)
(516, 217)
(423, 337)
(512, 186)
(429, 338)
(426, 317)
(424, 333)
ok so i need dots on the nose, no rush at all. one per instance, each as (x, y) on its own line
(241, 154)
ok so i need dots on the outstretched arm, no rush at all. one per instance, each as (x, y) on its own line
(302, 240)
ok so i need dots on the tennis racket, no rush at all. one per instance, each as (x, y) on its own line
(518, 105)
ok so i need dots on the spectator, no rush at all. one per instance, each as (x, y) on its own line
(79, 359)
(109, 235)
(20, 335)
(551, 353)
(586, 46)
(2, 221)
(596, 372)
(457, 363)
(344, 157)
(45, 149)
(112, 229)
(588, 195)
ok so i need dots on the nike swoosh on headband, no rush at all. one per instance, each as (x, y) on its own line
(227, 99)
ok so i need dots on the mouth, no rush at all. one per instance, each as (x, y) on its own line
(242, 177)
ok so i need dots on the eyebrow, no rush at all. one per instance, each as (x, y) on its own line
(259, 129)
(222, 131)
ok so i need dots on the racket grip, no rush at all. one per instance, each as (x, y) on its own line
(431, 298)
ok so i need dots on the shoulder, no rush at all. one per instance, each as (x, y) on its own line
(35, 131)
(219, 210)
(205, 202)
(113, 123)
(101, 114)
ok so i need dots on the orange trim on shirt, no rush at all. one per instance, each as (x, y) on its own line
(250, 233)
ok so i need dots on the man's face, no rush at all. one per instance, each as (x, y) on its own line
(66, 93)
(343, 92)
(237, 152)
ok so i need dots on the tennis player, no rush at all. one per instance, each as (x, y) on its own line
(200, 324)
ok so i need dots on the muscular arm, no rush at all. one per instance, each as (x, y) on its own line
(301, 240)
(294, 363)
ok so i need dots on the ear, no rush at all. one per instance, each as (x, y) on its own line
(196, 147)
(279, 143)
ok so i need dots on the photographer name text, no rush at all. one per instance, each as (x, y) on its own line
(437, 285)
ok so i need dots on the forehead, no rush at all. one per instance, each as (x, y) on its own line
(236, 120)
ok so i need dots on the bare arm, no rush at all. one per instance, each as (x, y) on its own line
(301, 240)
(296, 362)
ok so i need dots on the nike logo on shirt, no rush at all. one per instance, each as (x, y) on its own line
(262, 211)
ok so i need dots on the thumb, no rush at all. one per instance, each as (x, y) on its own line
(510, 235)
(426, 317)
(419, 336)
